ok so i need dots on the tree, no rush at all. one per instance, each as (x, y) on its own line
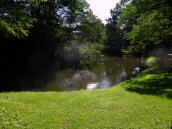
(14, 20)
(150, 26)
(91, 29)
(115, 35)
(34, 35)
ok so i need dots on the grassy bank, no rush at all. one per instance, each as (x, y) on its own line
(141, 103)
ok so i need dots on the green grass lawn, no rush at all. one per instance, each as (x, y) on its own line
(141, 103)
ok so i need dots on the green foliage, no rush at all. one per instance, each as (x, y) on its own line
(91, 29)
(115, 35)
(91, 55)
(37, 33)
(143, 102)
(14, 19)
(127, 16)
(144, 23)
(152, 62)
(161, 59)
(15, 116)
(149, 29)
(152, 82)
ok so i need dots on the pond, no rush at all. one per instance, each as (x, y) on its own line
(107, 74)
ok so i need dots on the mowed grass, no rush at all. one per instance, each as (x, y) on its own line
(141, 103)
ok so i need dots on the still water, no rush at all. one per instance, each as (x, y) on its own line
(107, 74)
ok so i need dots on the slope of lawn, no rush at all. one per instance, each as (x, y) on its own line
(141, 103)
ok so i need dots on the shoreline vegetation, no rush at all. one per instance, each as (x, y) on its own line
(142, 102)
(40, 38)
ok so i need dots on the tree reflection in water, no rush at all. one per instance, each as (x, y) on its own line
(113, 71)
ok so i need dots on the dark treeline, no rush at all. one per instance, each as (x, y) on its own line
(40, 37)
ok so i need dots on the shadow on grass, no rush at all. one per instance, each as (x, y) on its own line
(153, 84)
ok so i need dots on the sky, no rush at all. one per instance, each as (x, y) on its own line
(101, 8)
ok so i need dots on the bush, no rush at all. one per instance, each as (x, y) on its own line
(152, 61)
(91, 55)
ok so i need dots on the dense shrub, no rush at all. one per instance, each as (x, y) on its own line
(152, 61)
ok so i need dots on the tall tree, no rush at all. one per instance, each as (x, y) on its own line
(34, 34)
(115, 35)
(14, 20)
(151, 23)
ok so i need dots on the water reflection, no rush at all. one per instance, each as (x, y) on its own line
(113, 71)
(121, 76)
(105, 81)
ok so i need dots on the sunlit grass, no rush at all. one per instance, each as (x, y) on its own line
(142, 103)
